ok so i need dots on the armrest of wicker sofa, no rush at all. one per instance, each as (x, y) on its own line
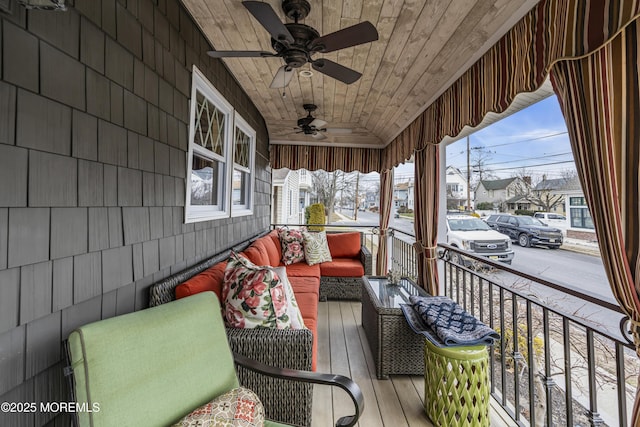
(367, 261)
(281, 348)
(345, 383)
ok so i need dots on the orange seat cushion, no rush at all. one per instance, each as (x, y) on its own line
(303, 269)
(305, 285)
(342, 267)
(344, 245)
(312, 325)
(209, 280)
(308, 304)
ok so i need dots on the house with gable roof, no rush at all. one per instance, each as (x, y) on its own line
(549, 194)
(506, 195)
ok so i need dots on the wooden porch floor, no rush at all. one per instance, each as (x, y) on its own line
(343, 349)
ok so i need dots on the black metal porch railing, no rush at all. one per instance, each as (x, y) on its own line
(565, 357)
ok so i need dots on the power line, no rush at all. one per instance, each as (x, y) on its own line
(519, 142)
(530, 158)
(532, 166)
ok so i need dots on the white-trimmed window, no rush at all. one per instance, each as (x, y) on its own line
(209, 155)
(579, 213)
(244, 143)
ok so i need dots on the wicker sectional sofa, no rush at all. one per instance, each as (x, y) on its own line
(294, 349)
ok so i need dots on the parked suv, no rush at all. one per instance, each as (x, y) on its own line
(552, 219)
(527, 231)
(474, 235)
(549, 216)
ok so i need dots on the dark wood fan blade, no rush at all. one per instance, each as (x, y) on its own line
(335, 70)
(363, 32)
(239, 54)
(268, 18)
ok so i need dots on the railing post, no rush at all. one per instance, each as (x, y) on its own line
(548, 381)
(517, 356)
(593, 415)
(622, 386)
(566, 331)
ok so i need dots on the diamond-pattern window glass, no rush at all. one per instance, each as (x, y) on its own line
(209, 125)
(241, 151)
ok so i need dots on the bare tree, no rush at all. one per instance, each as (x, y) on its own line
(540, 191)
(326, 185)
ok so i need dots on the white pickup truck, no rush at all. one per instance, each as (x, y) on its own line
(474, 235)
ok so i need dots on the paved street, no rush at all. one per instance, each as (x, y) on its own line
(580, 271)
(573, 269)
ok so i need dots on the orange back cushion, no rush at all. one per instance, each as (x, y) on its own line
(273, 252)
(209, 280)
(344, 245)
(257, 255)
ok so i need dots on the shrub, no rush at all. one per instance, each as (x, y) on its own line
(404, 209)
(484, 206)
(307, 214)
(524, 212)
(316, 216)
(538, 344)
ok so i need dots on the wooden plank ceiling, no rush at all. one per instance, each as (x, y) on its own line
(423, 46)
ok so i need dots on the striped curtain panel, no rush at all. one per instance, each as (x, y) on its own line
(327, 158)
(427, 177)
(386, 204)
(600, 100)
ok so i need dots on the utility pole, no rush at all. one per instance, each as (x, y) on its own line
(357, 198)
(468, 175)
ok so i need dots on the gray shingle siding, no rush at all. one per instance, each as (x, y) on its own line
(94, 115)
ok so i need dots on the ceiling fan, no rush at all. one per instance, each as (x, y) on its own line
(309, 125)
(296, 43)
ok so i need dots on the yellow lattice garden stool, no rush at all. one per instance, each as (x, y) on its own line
(456, 385)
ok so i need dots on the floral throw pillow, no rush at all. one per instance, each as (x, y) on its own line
(297, 322)
(292, 246)
(254, 297)
(239, 407)
(316, 248)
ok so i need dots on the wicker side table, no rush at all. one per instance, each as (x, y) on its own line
(456, 385)
(396, 348)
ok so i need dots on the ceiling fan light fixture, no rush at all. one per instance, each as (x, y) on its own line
(282, 78)
(305, 73)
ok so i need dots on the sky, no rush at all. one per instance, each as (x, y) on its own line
(533, 141)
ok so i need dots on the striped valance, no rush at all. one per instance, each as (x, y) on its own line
(327, 158)
(519, 62)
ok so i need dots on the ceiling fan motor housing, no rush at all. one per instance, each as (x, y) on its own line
(296, 54)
